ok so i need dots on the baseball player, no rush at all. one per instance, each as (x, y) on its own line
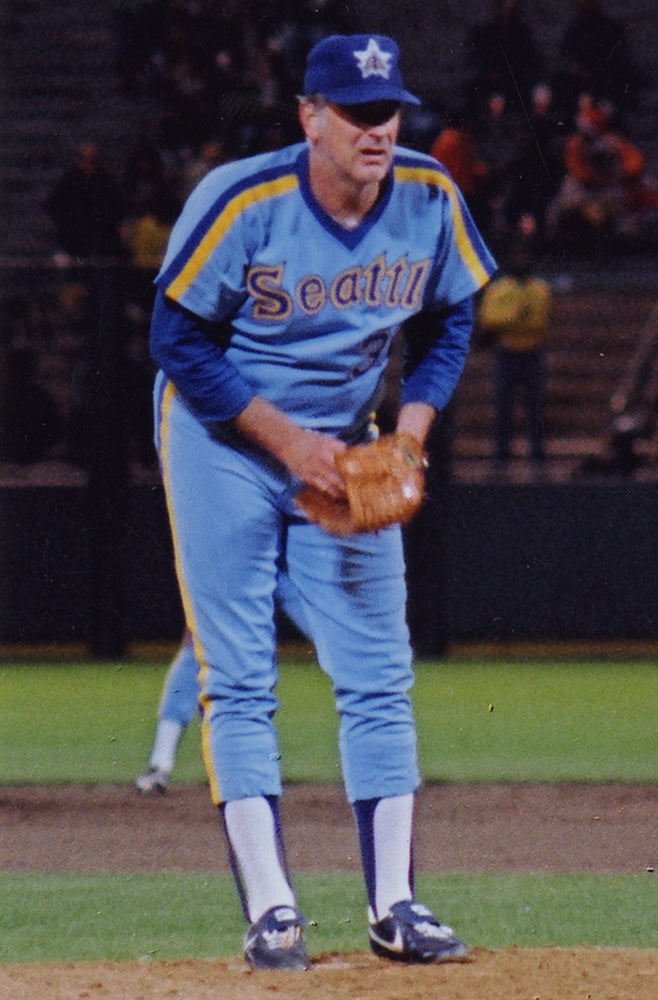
(178, 705)
(285, 280)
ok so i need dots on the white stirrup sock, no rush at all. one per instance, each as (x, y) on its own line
(251, 832)
(392, 831)
(167, 736)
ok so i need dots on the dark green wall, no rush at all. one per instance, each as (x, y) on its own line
(486, 562)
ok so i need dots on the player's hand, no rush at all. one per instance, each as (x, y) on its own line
(311, 457)
(308, 455)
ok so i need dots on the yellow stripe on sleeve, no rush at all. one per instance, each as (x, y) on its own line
(222, 224)
(426, 175)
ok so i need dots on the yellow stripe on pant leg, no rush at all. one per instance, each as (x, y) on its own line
(168, 398)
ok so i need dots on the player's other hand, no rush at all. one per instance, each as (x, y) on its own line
(311, 457)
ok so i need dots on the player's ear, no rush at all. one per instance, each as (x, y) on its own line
(309, 117)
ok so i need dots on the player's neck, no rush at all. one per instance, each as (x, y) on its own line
(348, 217)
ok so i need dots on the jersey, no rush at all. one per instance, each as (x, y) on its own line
(303, 310)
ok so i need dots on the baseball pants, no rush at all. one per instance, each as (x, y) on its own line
(235, 527)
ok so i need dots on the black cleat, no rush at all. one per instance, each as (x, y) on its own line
(154, 779)
(411, 933)
(276, 941)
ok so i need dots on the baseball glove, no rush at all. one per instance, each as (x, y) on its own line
(384, 483)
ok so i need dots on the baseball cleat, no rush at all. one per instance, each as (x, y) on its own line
(276, 941)
(152, 780)
(411, 933)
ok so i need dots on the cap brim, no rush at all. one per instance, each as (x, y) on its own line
(364, 93)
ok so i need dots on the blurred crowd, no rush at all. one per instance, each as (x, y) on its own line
(533, 146)
(223, 86)
(543, 155)
(48, 382)
(547, 150)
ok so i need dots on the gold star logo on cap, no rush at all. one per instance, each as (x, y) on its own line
(373, 61)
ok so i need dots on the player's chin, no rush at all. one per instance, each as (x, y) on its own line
(373, 167)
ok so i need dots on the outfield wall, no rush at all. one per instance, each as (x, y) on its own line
(486, 562)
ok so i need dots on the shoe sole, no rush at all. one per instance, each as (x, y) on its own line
(150, 787)
(458, 953)
(290, 961)
(284, 966)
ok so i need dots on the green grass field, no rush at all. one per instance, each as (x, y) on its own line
(121, 917)
(477, 721)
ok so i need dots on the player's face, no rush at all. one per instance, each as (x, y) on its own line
(357, 140)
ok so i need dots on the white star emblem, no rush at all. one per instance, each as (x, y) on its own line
(373, 61)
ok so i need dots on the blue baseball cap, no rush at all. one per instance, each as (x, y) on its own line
(356, 69)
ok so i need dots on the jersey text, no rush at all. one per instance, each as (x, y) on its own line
(399, 285)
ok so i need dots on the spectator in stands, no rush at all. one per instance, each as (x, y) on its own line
(605, 189)
(194, 169)
(535, 173)
(86, 208)
(527, 191)
(42, 344)
(137, 30)
(594, 59)
(456, 148)
(198, 72)
(147, 178)
(548, 129)
(514, 316)
(29, 425)
(502, 56)
(497, 144)
(151, 231)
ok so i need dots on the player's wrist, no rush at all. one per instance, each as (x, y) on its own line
(416, 419)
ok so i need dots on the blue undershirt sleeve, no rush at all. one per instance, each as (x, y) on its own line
(191, 353)
(436, 345)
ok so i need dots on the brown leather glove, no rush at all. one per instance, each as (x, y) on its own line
(384, 483)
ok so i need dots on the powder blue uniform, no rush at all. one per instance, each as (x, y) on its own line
(179, 700)
(261, 293)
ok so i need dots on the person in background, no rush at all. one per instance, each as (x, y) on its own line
(456, 148)
(502, 57)
(594, 59)
(605, 192)
(514, 315)
(86, 208)
(179, 703)
(210, 155)
(151, 231)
